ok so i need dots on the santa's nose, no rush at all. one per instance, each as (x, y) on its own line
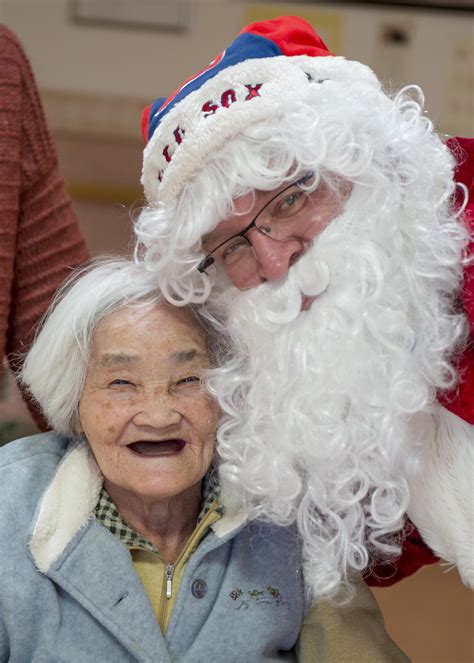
(274, 258)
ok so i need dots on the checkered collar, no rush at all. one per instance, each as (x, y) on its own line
(107, 514)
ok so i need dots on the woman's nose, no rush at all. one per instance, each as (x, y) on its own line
(275, 257)
(157, 411)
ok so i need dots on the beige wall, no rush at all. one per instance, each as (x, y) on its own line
(144, 64)
(431, 614)
(116, 60)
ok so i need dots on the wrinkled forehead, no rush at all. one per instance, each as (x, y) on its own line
(130, 332)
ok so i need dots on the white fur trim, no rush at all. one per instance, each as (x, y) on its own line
(229, 523)
(442, 492)
(66, 506)
(284, 80)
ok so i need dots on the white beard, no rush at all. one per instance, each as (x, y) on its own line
(320, 406)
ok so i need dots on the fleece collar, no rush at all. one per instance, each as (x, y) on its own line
(66, 506)
(69, 504)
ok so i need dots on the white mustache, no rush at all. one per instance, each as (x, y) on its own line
(277, 303)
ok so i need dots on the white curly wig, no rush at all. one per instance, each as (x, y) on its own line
(324, 409)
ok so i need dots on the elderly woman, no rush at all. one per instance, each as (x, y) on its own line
(114, 544)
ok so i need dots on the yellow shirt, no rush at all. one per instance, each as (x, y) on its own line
(160, 579)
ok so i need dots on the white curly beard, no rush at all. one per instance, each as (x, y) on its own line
(321, 406)
(324, 409)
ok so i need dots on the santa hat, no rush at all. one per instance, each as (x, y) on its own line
(269, 66)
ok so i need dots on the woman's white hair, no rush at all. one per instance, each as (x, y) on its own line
(55, 368)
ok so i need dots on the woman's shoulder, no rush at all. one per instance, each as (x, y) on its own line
(45, 445)
(274, 543)
(26, 468)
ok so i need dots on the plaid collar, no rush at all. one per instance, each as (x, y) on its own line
(107, 514)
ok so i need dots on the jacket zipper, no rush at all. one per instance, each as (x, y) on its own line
(166, 594)
(169, 580)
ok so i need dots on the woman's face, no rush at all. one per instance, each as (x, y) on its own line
(143, 410)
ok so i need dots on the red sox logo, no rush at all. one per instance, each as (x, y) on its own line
(227, 98)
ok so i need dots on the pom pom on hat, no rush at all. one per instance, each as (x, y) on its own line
(267, 67)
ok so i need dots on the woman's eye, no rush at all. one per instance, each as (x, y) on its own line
(120, 383)
(190, 380)
(188, 384)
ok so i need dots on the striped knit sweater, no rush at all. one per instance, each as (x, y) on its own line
(39, 235)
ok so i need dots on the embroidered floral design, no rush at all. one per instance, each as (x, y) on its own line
(236, 593)
(273, 592)
(269, 596)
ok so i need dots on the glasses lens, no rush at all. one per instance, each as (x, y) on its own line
(234, 251)
(278, 219)
(236, 257)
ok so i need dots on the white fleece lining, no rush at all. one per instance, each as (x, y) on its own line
(66, 506)
(228, 524)
(69, 502)
(442, 492)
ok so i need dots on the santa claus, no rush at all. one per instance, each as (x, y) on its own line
(317, 220)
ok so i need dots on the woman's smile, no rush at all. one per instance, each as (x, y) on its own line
(157, 448)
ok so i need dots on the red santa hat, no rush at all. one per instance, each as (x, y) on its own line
(269, 66)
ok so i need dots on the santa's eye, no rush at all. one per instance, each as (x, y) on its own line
(289, 204)
(233, 247)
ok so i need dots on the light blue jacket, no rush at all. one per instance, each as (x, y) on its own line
(69, 591)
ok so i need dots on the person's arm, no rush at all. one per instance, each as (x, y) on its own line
(39, 222)
(348, 634)
(460, 401)
(441, 482)
(445, 480)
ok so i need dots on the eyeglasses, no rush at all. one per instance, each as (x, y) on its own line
(277, 219)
